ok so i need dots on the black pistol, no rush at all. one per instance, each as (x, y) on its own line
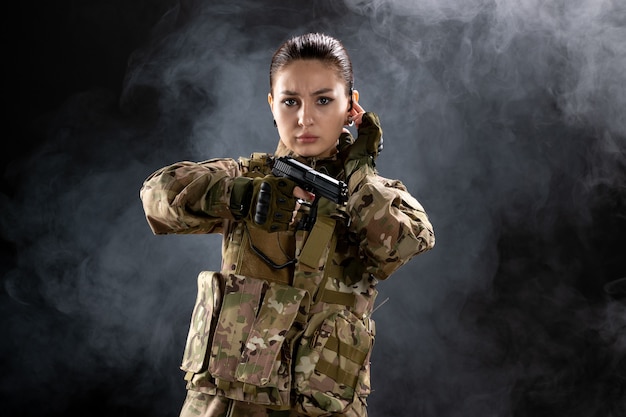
(312, 181)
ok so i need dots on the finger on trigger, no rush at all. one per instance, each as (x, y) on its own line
(303, 194)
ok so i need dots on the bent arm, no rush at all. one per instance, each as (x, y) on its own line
(189, 197)
(392, 225)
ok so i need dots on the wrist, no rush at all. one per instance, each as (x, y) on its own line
(360, 171)
(240, 197)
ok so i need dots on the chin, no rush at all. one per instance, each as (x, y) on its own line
(313, 152)
(306, 152)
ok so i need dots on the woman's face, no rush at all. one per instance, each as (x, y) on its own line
(310, 106)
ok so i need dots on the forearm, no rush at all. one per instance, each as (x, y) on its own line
(189, 197)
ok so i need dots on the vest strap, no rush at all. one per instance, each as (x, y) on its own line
(317, 242)
(336, 297)
(336, 373)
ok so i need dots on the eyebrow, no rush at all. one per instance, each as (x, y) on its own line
(315, 93)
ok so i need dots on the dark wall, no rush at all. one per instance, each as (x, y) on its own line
(505, 119)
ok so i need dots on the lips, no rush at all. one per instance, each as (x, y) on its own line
(306, 138)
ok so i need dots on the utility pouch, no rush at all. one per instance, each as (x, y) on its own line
(203, 321)
(242, 298)
(332, 363)
(247, 352)
(280, 307)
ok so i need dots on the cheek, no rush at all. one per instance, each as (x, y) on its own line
(340, 120)
(283, 115)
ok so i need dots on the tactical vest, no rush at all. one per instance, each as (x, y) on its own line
(280, 325)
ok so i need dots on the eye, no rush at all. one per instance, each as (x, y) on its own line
(324, 100)
(289, 102)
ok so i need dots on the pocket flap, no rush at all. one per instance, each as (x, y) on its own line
(242, 297)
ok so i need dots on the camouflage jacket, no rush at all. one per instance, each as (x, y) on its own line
(260, 333)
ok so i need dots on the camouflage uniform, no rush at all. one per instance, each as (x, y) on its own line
(293, 338)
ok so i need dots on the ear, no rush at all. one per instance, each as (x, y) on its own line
(355, 95)
(270, 101)
(354, 98)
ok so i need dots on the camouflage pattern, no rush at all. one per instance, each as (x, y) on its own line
(203, 318)
(297, 340)
(245, 359)
(198, 404)
(260, 360)
(242, 298)
(330, 359)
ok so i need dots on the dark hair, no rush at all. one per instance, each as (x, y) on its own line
(314, 46)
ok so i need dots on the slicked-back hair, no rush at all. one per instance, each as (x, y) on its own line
(314, 46)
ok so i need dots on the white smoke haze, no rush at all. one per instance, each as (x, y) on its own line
(504, 118)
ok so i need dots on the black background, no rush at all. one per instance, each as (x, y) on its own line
(505, 119)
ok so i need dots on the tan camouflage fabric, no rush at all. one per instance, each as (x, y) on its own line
(203, 320)
(294, 339)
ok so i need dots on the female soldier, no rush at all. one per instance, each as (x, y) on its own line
(284, 328)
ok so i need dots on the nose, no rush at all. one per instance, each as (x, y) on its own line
(305, 117)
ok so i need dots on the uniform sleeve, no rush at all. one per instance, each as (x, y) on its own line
(391, 225)
(189, 197)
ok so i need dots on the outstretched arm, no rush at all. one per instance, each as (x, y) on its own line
(189, 197)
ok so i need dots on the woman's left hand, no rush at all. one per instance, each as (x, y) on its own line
(356, 113)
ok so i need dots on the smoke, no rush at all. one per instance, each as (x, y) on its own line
(504, 118)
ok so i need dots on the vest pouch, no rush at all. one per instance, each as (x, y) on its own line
(332, 364)
(242, 298)
(203, 321)
(251, 350)
(259, 365)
